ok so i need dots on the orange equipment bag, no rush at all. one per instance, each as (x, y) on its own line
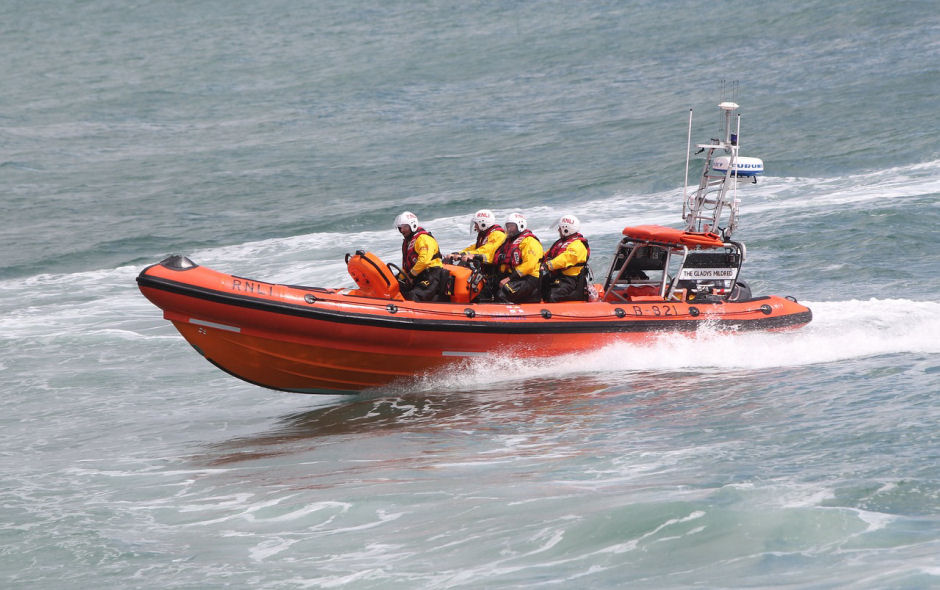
(465, 284)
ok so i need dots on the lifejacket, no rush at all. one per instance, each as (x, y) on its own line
(409, 255)
(483, 235)
(562, 244)
(510, 253)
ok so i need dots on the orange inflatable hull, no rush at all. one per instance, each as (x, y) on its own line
(313, 340)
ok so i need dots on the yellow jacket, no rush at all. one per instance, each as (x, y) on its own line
(531, 253)
(488, 250)
(425, 246)
(565, 262)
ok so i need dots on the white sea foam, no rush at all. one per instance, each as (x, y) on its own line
(787, 193)
(270, 547)
(875, 521)
(798, 496)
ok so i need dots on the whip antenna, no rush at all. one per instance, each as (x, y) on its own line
(688, 148)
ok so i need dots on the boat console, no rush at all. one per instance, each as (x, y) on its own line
(666, 269)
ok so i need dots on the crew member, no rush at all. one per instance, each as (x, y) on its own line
(565, 272)
(420, 261)
(518, 261)
(490, 236)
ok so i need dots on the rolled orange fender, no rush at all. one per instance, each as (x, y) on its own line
(671, 235)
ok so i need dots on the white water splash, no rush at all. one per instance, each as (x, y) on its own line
(841, 330)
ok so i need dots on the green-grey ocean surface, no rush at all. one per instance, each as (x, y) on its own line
(266, 139)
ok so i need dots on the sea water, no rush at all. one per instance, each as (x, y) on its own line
(267, 139)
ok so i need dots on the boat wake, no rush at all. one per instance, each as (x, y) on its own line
(840, 331)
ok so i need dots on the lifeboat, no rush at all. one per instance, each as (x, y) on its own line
(316, 340)
(345, 340)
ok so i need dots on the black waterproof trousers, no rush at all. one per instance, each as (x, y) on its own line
(563, 288)
(428, 286)
(520, 290)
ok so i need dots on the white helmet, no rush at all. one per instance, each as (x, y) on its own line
(407, 218)
(519, 220)
(482, 219)
(568, 224)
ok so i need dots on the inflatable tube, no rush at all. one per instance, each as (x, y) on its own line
(671, 235)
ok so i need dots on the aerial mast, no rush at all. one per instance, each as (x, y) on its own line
(713, 207)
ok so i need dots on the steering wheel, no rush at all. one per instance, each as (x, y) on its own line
(404, 281)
